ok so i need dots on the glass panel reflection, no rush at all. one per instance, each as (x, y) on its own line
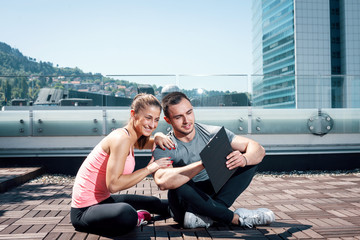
(14, 123)
(68, 123)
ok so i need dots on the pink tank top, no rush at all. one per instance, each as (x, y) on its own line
(90, 182)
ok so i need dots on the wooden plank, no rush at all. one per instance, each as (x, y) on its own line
(66, 236)
(33, 236)
(52, 236)
(14, 214)
(38, 220)
(21, 229)
(9, 229)
(79, 236)
(35, 228)
(52, 207)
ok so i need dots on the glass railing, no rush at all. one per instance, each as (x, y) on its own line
(256, 104)
(263, 91)
(101, 121)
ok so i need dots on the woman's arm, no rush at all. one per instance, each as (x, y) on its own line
(116, 181)
(119, 147)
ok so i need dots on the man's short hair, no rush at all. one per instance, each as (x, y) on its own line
(172, 98)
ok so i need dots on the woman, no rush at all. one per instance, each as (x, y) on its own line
(109, 169)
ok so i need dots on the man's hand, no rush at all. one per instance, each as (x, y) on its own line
(235, 159)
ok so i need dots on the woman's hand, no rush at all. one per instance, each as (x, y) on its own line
(163, 141)
(153, 165)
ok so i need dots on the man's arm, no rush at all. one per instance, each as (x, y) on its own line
(246, 152)
(174, 177)
(171, 178)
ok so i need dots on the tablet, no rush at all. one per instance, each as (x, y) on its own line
(214, 160)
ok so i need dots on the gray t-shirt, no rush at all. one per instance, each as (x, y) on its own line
(189, 152)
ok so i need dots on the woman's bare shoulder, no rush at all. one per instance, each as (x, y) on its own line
(116, 138)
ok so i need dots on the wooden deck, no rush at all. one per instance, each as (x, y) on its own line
(306, 207)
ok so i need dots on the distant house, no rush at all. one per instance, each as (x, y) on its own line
(131, 92)
(95, 88)
(111, 85)
(75, 82)
(145, 88)
(58, 97)
(76, 102)
(50, 96)
(119, 94)
(19, 102)
(83, 90)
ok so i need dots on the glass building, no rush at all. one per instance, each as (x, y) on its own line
(306, 53)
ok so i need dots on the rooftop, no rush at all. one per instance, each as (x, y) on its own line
(307, 206)
(319, 137)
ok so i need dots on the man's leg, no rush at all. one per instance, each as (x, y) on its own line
(191, 198)
(199, 198)
(235, 185)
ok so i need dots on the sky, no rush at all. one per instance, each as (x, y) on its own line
(121, 37)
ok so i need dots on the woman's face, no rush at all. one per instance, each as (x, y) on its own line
(146, 120)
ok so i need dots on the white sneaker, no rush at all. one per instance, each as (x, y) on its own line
(192, 220)
(250, 218)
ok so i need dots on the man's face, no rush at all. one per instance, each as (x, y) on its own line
(181, 117)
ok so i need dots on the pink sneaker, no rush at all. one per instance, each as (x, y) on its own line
(143, 217)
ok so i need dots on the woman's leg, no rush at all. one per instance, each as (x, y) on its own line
(105, 219)
(149, 203)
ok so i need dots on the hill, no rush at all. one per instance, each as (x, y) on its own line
(14, 63)
(22, 77)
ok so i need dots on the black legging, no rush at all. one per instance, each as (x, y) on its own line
(200, 198)
(116, 215)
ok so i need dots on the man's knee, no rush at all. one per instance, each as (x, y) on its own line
(180, 191)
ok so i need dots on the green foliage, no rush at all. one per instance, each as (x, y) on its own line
(22, 77)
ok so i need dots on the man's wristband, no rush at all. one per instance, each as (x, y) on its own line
(246, 162)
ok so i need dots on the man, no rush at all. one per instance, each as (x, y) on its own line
(192, 199)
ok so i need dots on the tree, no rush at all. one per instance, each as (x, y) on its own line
(24, 88)
(7, 92)
(58, 86)
(42, 81)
